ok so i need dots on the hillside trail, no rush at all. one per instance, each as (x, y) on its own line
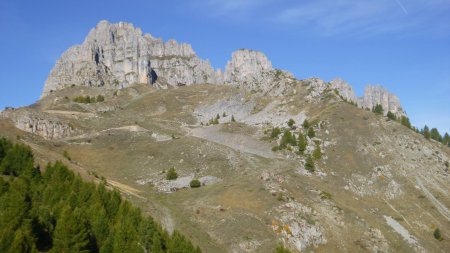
(239, 142)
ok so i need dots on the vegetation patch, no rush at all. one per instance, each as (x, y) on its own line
(56, 211)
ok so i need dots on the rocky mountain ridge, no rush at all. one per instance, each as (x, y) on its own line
(116, 56)
(279, 160)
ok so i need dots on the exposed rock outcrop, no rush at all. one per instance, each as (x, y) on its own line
(373, 95)
(345, 90)
(119, 55)
(42, 124)
(253, 70)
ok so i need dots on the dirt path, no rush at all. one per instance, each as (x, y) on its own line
(54, 156)
(439, 206)
(238, 142)
(71, 114)
(124, 188)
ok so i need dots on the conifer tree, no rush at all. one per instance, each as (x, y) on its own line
(405, 121)
(435, 135)
(309, 165)
(311, 133)
(446, 139)
(18, 158)
(291, 123)
(317, 153)
(391, 115)
(302, 143)
(378, 109)
(71, 232)
(426, 132)
(305, 124)
(275, 132)
(5, 146)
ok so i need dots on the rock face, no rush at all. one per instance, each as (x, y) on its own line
(373, 95)
(119, 55)
(344, 89)
(40, 124)
(253, 71)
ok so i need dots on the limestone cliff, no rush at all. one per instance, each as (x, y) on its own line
(253, 70)
(119, 55)
(39, 123)
(373, 95)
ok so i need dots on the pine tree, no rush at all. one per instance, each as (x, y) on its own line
(309, 165)
(302, 143)
(435, 135)
(5, 146)
(426, 132)
(171, 174)
(18, 158)
(232, 118)
(405, 121)
(291, 123)
(23, 242)
(305, 124)
(275, 132)
(311, 132)
(446, 139)
(391, 115)
(378, 109)
(71, 232)
(287, 138)
(157, 246)
(317, 153)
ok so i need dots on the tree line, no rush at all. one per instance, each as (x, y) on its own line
(54, 210)
(432, 134)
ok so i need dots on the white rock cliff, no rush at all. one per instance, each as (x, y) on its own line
(119, 55)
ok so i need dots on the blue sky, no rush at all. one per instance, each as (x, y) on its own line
(403, 45)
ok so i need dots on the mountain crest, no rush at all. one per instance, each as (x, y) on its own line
(116, 56)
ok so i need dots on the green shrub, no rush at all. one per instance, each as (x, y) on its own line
(66, 155)
(275, 132)
(311, 132)
(281, 249)
(437, 234)
(232, 118)
(100, 98)
(291, 123)
(171, 174)
(325, 195)
(195, 183)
